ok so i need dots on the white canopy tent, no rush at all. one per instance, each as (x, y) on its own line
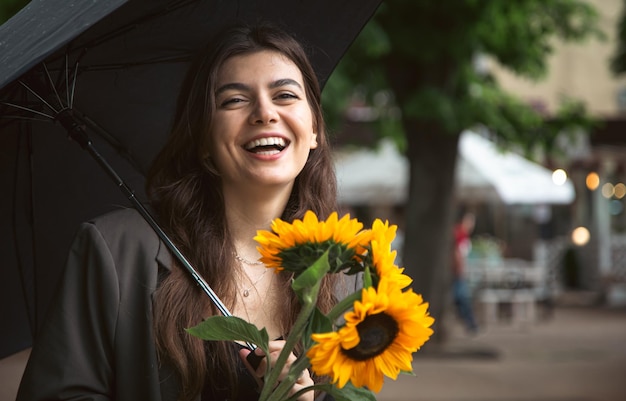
(515, 179)
(380, 176)
(367, 176)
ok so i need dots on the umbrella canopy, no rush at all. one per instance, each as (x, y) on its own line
(118, 64)
(484, 173)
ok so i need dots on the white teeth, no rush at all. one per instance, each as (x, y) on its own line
(271, 141)
(268, 152)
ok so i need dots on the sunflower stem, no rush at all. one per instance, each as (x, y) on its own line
(281, 391)
(349, 301)
(343, 306)
(292, 340)
(299, 327)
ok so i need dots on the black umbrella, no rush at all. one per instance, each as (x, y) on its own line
(113, 67)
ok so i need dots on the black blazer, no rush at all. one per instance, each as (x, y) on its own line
(97, 341)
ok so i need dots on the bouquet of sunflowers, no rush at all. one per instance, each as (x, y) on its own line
(369, 334)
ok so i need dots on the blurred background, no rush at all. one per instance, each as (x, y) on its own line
(513, 111)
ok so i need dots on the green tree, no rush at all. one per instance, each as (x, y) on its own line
(423, 53)
(9, 7)
(618, 63)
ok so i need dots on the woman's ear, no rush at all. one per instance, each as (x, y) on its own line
(313, 140)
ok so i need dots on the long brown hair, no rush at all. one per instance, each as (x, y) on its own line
(185, 193)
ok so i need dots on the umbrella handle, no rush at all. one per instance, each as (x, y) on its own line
(254, 359)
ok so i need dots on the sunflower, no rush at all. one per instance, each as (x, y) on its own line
(381, 255)
(295, 246)
(378, 339)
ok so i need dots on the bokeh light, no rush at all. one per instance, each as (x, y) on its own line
(592, 181)
(559, 176)
(580, 236)
(608, 190)
(620, 190)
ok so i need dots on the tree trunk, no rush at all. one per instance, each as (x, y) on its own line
(428, 244)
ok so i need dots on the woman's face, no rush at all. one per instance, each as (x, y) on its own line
(263, 126)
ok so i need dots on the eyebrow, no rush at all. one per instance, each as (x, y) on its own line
(239, 86)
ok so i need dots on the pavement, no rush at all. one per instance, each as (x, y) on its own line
(575, 354)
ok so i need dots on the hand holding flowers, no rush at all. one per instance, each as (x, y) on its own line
(369, 334)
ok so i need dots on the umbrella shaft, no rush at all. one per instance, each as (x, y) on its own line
(77, 132)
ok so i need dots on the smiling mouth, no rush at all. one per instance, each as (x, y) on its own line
(266, 146)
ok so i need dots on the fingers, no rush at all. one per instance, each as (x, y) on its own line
(275, 348)
(259, 359)
(304, 380)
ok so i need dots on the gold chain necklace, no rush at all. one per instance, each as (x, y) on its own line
(246, 261)
(246, 291)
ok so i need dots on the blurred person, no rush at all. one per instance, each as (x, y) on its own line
(463, 228)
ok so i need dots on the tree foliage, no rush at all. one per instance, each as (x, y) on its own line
(425, 52)
(618, 62)
(9, 7)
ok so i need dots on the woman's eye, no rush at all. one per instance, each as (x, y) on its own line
(231, 101)
(287, 96)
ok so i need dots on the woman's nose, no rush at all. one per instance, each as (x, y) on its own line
(264, 112)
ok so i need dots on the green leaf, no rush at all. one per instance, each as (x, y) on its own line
(318, 323)
(367, 277)
(307, 283)
(230, 328)
(348, 392)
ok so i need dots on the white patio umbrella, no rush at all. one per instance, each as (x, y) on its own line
(484, 169)
(484, 173)
(368, 176)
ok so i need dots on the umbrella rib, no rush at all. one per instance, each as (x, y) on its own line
(10, 117)
(17, 106)
(67, 81)
(103, 67)
(136, 22)
(71, 100)
(38, 97)
(31, 309)
(54, 89)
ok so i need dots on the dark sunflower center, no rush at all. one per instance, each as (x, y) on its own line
(376, 332)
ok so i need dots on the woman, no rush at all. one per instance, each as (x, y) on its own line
(248, 145)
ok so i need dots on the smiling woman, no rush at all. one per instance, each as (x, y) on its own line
(248, 145)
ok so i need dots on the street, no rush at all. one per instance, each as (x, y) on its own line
(578, 354)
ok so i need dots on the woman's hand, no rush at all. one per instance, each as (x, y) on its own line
(275, 348)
